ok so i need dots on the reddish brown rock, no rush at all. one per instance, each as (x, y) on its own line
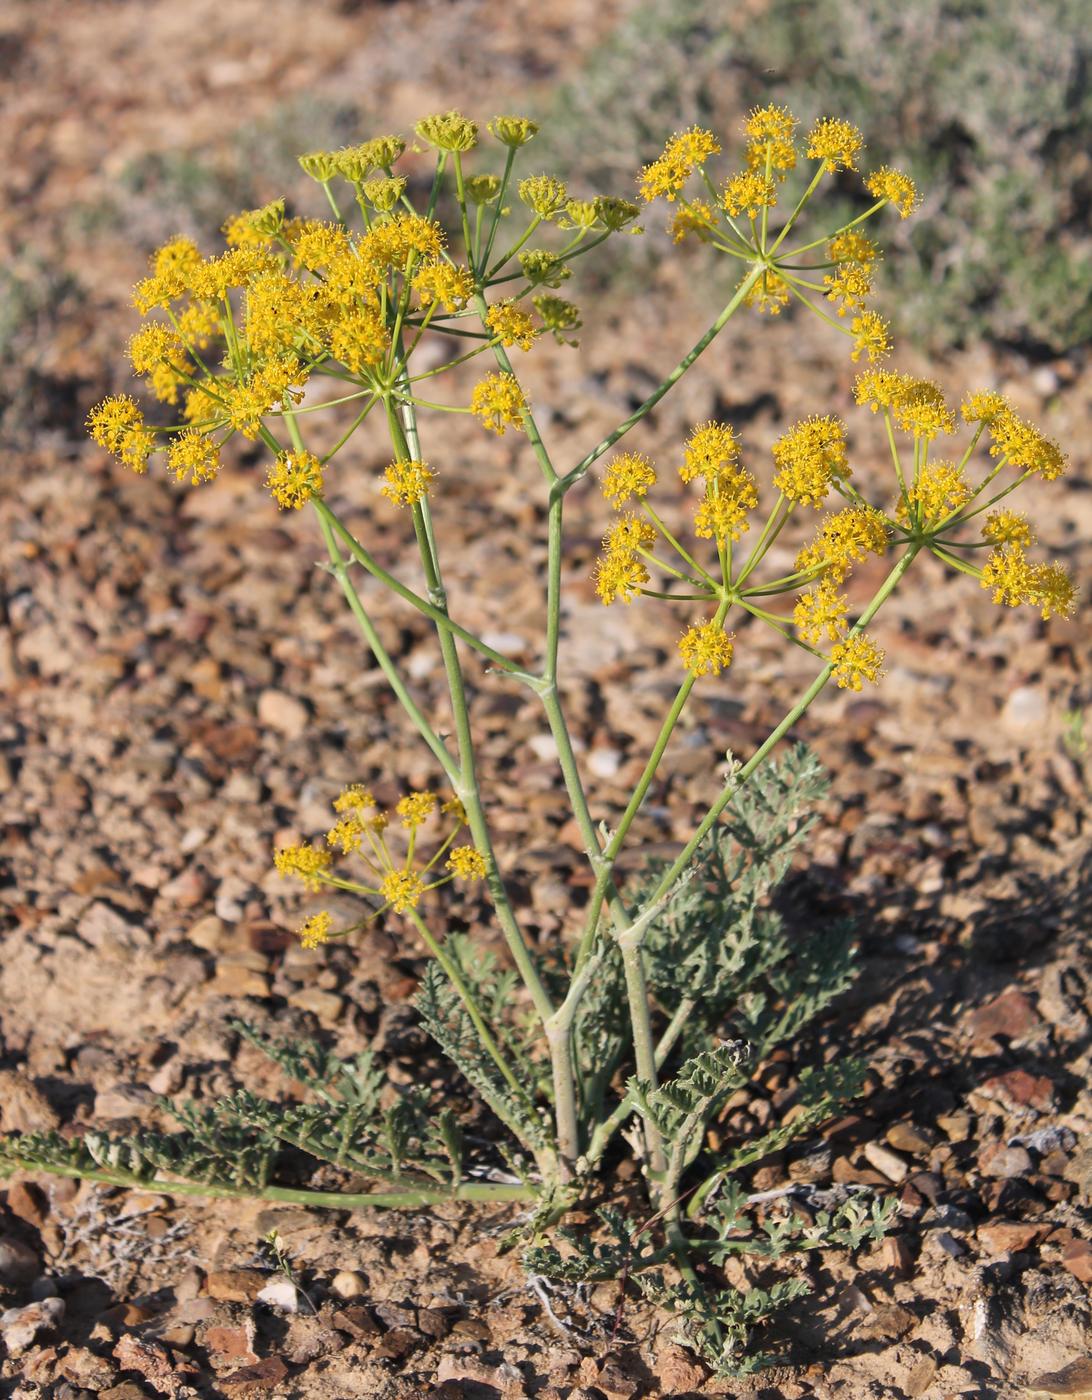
(1011, 1016)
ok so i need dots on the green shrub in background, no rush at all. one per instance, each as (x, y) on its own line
(985, 101)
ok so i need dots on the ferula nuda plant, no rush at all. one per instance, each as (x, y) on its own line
(676, 983)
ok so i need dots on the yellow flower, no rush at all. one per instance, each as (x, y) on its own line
(870, 336)
(696, 219)
(153, 345)
(1008, 527)
(407, 482)
(544, 269)
(853, 247)
(117, 424)
(466, 863)
(511, 324)
(682, 155)
(1023, 446)
(173, 267)
(844, 539)
(619, 575)
(985, 406)
(809, 458)
(544, 195)
(448, 131)
(836, 143)
(769, 295)
(629, 533)
(482, 189)
(712, 452)
(383, 191)
(498, 401)
(320, 165)
(416, 808)
(881, 388)
(453, 807)
(820, 612)
(402, 889)
(359, 339)
(195, 455)
(380, 153)
(347, 833)
(849, 286)
(316, 244)
(750, 192)
(706, 649)
(770, 131)
(558, 316)
(920, 409)
(295, 479)
(856, 659)
(315, 931)
(392, 241)
(628, 475)
(451, 286)
(939, 489)
(895, 187)
(354, 798)
(513, 131)
(722, 515)
(304, 863)
(616, 213)
(1013, 580)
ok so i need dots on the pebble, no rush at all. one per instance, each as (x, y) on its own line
(23, 1106)
(325, 1006)
(282, 1294)
(908, 1137)
(1025, 711)
(235, 1285)
(283, 712)
(997, 1160)
(19, 1264)
(234, 979)
(20, 1327)
(348, 1284)
(886, 1162)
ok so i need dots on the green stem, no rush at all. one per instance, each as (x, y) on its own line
(409, 1199)
(371, 636)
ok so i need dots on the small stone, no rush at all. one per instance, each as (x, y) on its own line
(678, 1371)
(998, 1160)
(1079, 1170)
(83, 1367)
(19, 1264)
(235, 1285)
(1025, 711)
(357, 1322)
(271, 1371)
(282, 712)
(1011, 1015)
(1010, 1236)
(347, 1284)
(122, 1101)
(282, 1294)
(886, 1162)
(20, 1327)
(1072, 1380)
(234, 979)
(397, 1343)
(898, 1255)
(209, 933)
(29, 1202)
(178, 1334)
(1016, 1089)
(23, 1106)
(236, 1343)
(920, 1377)
(908, 1137)
(888, 1320)
(956, 1126)
(604, 762)
(326, 1007)
(1077, 1258)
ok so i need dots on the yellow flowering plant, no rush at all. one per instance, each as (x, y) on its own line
(234, 343)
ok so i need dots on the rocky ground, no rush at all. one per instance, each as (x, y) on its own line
(183, 689)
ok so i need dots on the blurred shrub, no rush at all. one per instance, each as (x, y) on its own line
(987, 102)
(162, 193)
